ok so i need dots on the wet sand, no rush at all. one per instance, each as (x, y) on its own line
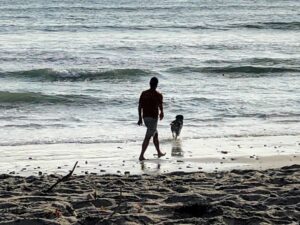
(186, 155)
(222, 197)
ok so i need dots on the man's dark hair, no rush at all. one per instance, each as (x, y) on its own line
(153, 82)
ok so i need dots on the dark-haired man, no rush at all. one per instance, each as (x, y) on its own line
(150, 108)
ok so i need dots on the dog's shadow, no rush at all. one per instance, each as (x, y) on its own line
(177, 148)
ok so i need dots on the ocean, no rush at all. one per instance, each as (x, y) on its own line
(71, 73)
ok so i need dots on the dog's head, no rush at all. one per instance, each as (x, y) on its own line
(179, 117)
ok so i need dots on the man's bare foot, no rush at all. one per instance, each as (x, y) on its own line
(161, 154)
(142, 158)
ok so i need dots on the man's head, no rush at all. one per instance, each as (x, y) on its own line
(153, 83)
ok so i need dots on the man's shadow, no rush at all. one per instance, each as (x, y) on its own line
(177, 148)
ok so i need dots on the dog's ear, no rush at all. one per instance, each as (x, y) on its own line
(179, 117)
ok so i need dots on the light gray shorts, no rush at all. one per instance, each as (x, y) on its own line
(151, 125)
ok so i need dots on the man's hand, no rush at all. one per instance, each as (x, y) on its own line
(161, 115)
(140, 122)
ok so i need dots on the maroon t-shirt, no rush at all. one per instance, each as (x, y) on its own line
(150, 101)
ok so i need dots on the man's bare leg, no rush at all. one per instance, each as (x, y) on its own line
(156, 144)
(144, 147)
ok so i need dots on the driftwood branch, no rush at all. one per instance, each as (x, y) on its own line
(64, 178)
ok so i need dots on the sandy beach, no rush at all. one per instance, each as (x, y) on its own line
(213, 181)
(226, 197)
(234, 182)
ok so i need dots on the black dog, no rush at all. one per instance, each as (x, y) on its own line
(176, 126)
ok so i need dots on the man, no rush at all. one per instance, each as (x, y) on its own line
(151, 102)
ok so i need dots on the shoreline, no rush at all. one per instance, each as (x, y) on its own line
(160, 166)
(183, 155)
(223, 197)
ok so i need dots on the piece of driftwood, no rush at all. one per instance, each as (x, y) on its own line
(64, 178)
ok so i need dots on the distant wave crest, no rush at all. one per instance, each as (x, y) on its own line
(270, 25)
(234, 69)
(259, 25)
(52, 75)
(263, 61)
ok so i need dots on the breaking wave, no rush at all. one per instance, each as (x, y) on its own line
(69, 75)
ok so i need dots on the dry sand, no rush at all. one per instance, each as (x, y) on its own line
(227, 197)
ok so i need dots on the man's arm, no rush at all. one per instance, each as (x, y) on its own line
(161, 108)
(140, 122)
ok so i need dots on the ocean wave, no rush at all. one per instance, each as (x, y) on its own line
(261, 115)
(82, 8)
(294, 25)
(151, 26)
(235, 69)
(93, 27)
(12, 98)
(71, 75)
(39, 98)
(65, 141)
(34, 126)
(154, 26)
(29, 125)
(264, 61)
(247, 135)
(30, 97)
